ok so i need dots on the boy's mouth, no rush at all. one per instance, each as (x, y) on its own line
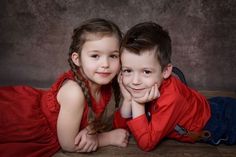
(137, 90)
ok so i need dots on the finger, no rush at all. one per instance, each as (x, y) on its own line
(90, 149)
(151, 93)
(87, 147)
(84, 149)
(127, 134)
(78, 139)
(126, 141)
(95, 147)
(81, 145)
(124, 144)
(157, 93)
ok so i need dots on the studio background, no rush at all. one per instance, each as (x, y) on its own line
(35, 36)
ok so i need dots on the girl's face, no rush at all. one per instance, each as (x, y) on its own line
(100, 59)
(140, 72)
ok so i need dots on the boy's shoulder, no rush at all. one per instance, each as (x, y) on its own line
(174, 88)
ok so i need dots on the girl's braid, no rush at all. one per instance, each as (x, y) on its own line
(80, 81)
(96, 124)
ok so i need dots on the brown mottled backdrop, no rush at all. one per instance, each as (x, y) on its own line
(35, 36)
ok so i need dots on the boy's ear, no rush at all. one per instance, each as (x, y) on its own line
(167, 71)
(75, 58)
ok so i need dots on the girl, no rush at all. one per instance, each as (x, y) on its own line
(71, 114)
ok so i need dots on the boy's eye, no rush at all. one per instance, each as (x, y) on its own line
(126, 71)
(147, 72)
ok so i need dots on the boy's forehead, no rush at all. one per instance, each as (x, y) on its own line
(141, 54)
(145, 57)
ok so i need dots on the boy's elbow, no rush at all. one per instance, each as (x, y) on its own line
(146, 146)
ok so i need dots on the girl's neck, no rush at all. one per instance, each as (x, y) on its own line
(95, 90)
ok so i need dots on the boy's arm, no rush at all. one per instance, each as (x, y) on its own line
(119, 121)
(149, 133)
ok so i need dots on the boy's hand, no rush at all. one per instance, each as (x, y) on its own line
(84, 142)
(126, 105)
(127, 96)
(150, 95)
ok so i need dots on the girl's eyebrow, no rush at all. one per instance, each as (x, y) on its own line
(93, 51)
(97, 51)
(115, 51)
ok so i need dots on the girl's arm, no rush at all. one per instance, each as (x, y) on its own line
(116, 137)
(71, 100)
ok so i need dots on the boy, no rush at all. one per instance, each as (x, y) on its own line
(158, 105)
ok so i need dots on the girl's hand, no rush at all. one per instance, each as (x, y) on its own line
(119, 137)
(84, 142)
(150, 95)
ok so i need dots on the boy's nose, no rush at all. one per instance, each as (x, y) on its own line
(136, 79)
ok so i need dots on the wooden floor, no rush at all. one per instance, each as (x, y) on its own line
(168, 148)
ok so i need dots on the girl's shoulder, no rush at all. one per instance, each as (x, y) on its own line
(70, 93)
(65, 87)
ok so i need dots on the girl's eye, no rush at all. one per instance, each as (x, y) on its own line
(95, 56)
(114, 56)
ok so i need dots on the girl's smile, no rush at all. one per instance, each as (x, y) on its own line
(104, 74)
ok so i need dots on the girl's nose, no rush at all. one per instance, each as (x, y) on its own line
(105, 62)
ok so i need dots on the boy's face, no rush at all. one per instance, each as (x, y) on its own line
(140, 72)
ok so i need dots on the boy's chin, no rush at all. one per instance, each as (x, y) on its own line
(138, 95)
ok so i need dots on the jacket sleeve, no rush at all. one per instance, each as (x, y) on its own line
(163, 120)
(119, 121)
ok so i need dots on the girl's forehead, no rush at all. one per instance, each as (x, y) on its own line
(96, 36)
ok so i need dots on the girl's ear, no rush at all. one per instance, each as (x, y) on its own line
(75, 58)
(167, 71)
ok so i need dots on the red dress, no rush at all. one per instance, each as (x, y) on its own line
(28, 119)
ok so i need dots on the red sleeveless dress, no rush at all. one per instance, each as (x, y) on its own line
(28, 119)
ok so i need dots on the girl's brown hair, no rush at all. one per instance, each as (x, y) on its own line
(98, 27)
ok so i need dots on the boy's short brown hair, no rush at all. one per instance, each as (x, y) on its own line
(148, 36)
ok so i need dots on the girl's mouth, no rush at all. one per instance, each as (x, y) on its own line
(104, 74)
